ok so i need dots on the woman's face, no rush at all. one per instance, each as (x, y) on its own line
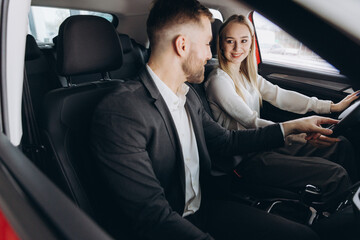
(236, 42)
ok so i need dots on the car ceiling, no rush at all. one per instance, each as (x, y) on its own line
(346, 17)
(122, 7)
(336, 41)
(129, 8)
(132, 14)
(330, 10)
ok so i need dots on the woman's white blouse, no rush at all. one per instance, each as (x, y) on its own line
(233, 112)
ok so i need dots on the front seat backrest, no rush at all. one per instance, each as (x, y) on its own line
(211, 65)
(134, 58)
(86, 44)
(215, 27)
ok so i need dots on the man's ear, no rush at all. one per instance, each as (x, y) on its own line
(180, 45)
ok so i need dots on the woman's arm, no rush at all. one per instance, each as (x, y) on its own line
(221, 91)
(290, 100)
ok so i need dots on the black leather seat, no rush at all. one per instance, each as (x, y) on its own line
(40, 79)
(75, 79)
(40, 76)
(134, 58)
(85, 45)
(213, 62)
(215, 27)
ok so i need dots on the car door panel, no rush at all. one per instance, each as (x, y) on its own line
(320, 85)
(33, 206)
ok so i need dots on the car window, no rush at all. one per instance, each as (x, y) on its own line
(44, 22)
(216, 14)
(276, 46)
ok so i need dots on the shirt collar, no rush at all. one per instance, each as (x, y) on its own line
(173, 101)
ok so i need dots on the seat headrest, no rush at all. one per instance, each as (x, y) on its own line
(215, 27)
(126, 43)
(32, 50)
(87, 44)
(54, 40)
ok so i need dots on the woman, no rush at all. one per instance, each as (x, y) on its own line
(235, 92)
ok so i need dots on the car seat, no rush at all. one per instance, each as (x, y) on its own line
(85, 45)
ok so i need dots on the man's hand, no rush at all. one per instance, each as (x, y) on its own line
(310, 125)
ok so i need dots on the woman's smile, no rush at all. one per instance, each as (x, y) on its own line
(236, 55)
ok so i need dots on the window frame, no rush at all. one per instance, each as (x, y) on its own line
(32, 22)
(331, 71)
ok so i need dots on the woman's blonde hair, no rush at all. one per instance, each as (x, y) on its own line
(248, 66)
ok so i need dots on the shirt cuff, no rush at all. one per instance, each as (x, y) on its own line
(323, 107)
(282, 130)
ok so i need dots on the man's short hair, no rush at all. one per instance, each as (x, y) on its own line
(166, 13)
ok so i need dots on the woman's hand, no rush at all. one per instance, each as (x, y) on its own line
(343, 104)
(321, 141)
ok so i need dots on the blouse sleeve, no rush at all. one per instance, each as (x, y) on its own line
(290, 100)
(221, 91)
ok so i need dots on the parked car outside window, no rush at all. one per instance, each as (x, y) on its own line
(279, 47)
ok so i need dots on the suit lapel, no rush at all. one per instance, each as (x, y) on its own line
(195, 112)
(169, 122)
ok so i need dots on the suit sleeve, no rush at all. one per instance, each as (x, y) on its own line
(119, 140)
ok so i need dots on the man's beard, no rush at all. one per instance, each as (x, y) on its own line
(193, 71)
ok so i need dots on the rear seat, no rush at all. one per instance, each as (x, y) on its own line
(40, 80)
(41, 77)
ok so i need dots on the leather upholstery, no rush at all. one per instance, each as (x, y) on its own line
(32, 51)
(91, 45)
(215, 27)
(134, 58)
(86, 44)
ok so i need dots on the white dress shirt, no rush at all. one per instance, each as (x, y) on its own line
(184, 127)
(234, 112)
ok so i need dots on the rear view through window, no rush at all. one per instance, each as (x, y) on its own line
(44, 22)
(277, 46)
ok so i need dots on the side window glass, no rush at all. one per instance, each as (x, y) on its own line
(276, 46)
(44, 22)
(216, 14)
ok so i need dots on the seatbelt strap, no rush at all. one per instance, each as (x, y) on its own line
(51, 59)
(31, 145)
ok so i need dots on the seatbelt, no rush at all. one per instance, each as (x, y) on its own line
(63, 81)
(31, 144)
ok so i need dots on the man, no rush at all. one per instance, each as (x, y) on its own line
(152, 136)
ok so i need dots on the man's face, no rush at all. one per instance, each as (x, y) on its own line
(199, 52)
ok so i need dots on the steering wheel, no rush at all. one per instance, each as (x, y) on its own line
(348, 118)
(356, 199)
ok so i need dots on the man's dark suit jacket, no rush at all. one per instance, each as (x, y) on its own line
(136, 143)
